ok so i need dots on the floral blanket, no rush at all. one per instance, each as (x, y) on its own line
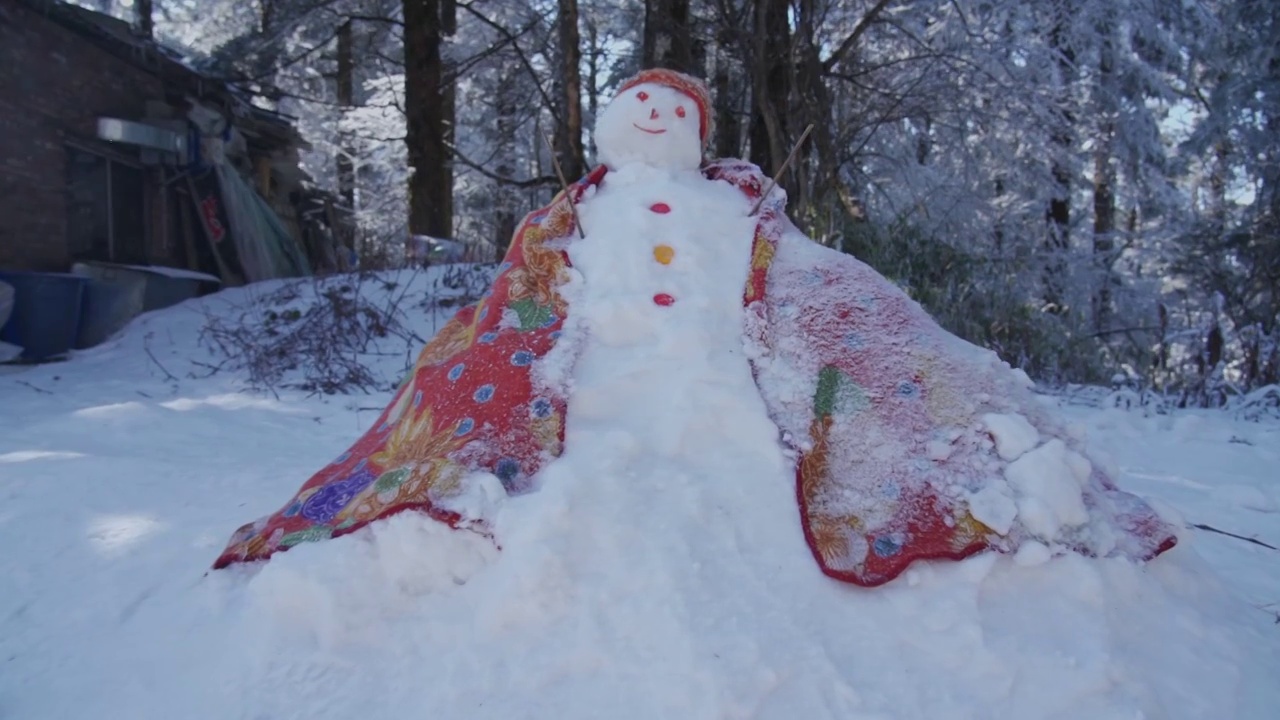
(913, 444)
(894, 422)
(469, 404)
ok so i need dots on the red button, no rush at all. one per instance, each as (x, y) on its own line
(660, 208)
(663, 299)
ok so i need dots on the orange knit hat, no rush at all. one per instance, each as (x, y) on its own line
(687, 84)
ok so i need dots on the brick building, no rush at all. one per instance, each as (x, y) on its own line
(67, 195)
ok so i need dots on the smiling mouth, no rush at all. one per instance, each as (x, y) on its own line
(651, 132)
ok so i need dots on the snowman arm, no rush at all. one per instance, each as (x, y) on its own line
(591, 179)
(572, 196)
(745, 176)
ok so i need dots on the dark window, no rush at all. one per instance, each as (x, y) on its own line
(106, 209)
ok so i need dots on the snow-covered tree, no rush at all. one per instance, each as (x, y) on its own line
(1089, 187)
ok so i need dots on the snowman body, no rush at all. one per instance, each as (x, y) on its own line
(672, 484)
(659, 306)
(658, 298)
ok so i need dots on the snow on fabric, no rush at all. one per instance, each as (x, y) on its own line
(917, 445)
(904, 433)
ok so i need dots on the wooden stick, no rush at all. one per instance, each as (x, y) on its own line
(573, 207)
(774, 180)
(1255, 541)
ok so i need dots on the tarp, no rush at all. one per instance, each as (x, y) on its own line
(898, 429)
(247, 240)
(266, 249)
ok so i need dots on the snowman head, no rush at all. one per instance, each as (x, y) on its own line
(660, 118)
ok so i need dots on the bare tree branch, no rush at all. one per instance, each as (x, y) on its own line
(542, 181)
(858, 31)
(524, 58)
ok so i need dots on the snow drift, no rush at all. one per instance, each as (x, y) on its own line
(696, 601)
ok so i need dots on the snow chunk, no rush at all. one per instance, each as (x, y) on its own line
(994, 507)
(1022, 379)
(1048, 482)
(1031, 554)
(349, 591)
(1012, 433)
(481, 498)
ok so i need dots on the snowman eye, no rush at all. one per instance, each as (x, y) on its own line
(679, 111)
(642, 95)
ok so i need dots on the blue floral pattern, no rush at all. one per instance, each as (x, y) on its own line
(507, 469)
(541, 408)
(887, 545)
(455, 372)
(329, 500)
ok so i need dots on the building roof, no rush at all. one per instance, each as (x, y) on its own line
(122, 40)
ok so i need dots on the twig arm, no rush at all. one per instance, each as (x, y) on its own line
(573, 207)
(774, 180)
(1212, 529)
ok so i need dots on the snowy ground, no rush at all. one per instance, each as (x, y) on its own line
(119, 485)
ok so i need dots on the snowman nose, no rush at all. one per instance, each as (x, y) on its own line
(653, 114)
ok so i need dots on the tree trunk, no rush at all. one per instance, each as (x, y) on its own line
(668, 36)
(346, 100)
(820, 192)
(448, 17)
(813, 193)
(726, 100)
(504, 141)
(569, 140)
(594, 55)
(1058, 213)
(266, 15)
(142, 12)
(1104, 178)
(448, 111)
(998, 234)
(769, 86)
(426, 107)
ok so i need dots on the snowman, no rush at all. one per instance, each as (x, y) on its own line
(647, 330)
(656, 298)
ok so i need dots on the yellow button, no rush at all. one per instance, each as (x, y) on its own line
(664, 254)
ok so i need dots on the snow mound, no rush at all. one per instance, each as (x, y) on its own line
(560, 626)
(633, 584)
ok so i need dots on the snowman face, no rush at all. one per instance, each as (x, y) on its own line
(652, 125)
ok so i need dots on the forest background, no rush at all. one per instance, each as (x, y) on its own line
(1090, 188)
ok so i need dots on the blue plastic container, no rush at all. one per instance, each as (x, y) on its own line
(108, 306)
(162, 286)
(46, 313)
